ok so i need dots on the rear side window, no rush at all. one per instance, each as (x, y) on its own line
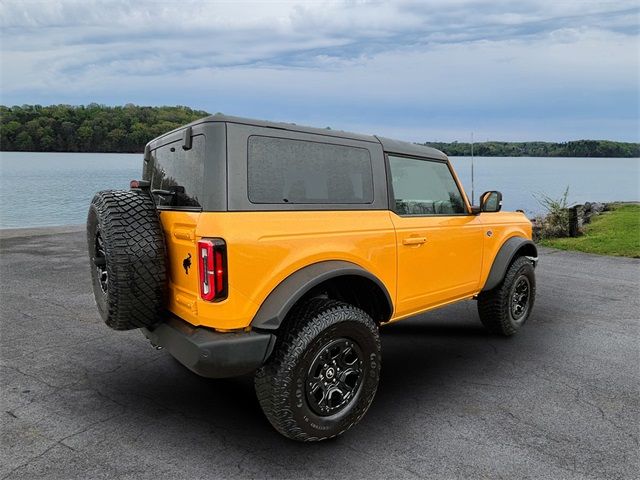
(423, 187)
(280, 170)
(177, 175)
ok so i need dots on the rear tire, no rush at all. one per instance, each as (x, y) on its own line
(323, 373)
(127, 258)
(505, 309)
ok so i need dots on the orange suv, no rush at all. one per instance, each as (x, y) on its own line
(253, 246)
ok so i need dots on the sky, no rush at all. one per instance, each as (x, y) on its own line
(413, 70)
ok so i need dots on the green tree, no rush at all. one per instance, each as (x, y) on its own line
(90, 128)
(24, 142)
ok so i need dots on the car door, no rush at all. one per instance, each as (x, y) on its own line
(439, 243)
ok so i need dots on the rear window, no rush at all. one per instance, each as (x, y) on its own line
(177, 175)
(293, 171)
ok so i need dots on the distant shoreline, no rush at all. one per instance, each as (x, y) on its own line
(571, 149)
(98, 128)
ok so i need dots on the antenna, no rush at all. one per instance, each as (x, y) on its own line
(472, 182)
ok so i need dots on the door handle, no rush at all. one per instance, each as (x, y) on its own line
(414, 240)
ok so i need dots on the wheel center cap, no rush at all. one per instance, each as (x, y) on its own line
(330, 373)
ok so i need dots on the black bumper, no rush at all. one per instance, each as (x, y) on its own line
(209, 353)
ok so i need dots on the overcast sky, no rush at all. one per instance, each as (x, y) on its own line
(415, 70)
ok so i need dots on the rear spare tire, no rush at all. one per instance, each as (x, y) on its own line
(127, 258)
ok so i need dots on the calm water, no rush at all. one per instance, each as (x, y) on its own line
(45, 189)
(521, 179)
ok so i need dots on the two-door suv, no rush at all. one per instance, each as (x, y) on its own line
(251, 246)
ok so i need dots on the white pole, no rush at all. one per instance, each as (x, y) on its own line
(472, 182)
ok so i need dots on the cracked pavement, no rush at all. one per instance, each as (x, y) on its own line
(560, 400)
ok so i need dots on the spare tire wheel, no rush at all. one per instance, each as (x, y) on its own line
(127, 257)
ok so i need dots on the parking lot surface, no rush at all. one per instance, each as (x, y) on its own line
(559, 400)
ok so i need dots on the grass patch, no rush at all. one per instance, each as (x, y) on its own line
(616, 232)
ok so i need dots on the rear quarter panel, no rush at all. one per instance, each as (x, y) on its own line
(262, 251)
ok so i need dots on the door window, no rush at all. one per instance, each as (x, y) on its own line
(423, 187)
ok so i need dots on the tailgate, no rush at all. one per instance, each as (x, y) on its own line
(180, 237)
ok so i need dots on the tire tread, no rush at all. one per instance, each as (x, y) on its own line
(136, 257)
(493, 306)
(274, 380)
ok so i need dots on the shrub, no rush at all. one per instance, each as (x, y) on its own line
(555, 223)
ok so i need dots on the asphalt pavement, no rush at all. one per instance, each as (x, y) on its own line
(560, 400)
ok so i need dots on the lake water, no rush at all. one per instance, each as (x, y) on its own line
(48, 189)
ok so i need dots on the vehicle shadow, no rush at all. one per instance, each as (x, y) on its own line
(419, 355)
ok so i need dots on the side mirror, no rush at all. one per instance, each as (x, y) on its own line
(491, 201)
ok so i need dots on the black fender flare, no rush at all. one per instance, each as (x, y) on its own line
(505, 256)
(282, 298)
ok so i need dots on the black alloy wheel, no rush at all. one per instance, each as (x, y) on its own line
(520, 298)
(334, 377)
(100, 263)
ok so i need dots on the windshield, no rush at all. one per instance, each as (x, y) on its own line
(177, 175)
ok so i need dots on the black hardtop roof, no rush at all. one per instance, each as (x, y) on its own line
(389, 145)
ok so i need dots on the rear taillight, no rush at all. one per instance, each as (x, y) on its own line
(212, 266)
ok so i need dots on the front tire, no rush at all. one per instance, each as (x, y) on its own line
(323, 373)
(506, 308)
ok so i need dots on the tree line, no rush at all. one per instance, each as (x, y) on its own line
(126, 129)
(577, 148)
(90, 128)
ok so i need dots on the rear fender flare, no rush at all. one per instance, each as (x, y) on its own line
(282, 298)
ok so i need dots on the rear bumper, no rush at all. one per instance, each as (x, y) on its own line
(209, 353)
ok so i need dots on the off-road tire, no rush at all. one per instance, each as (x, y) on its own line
(281, 383)
(127, 226)
(495, 306)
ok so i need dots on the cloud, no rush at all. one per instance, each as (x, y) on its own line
(353, 63)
